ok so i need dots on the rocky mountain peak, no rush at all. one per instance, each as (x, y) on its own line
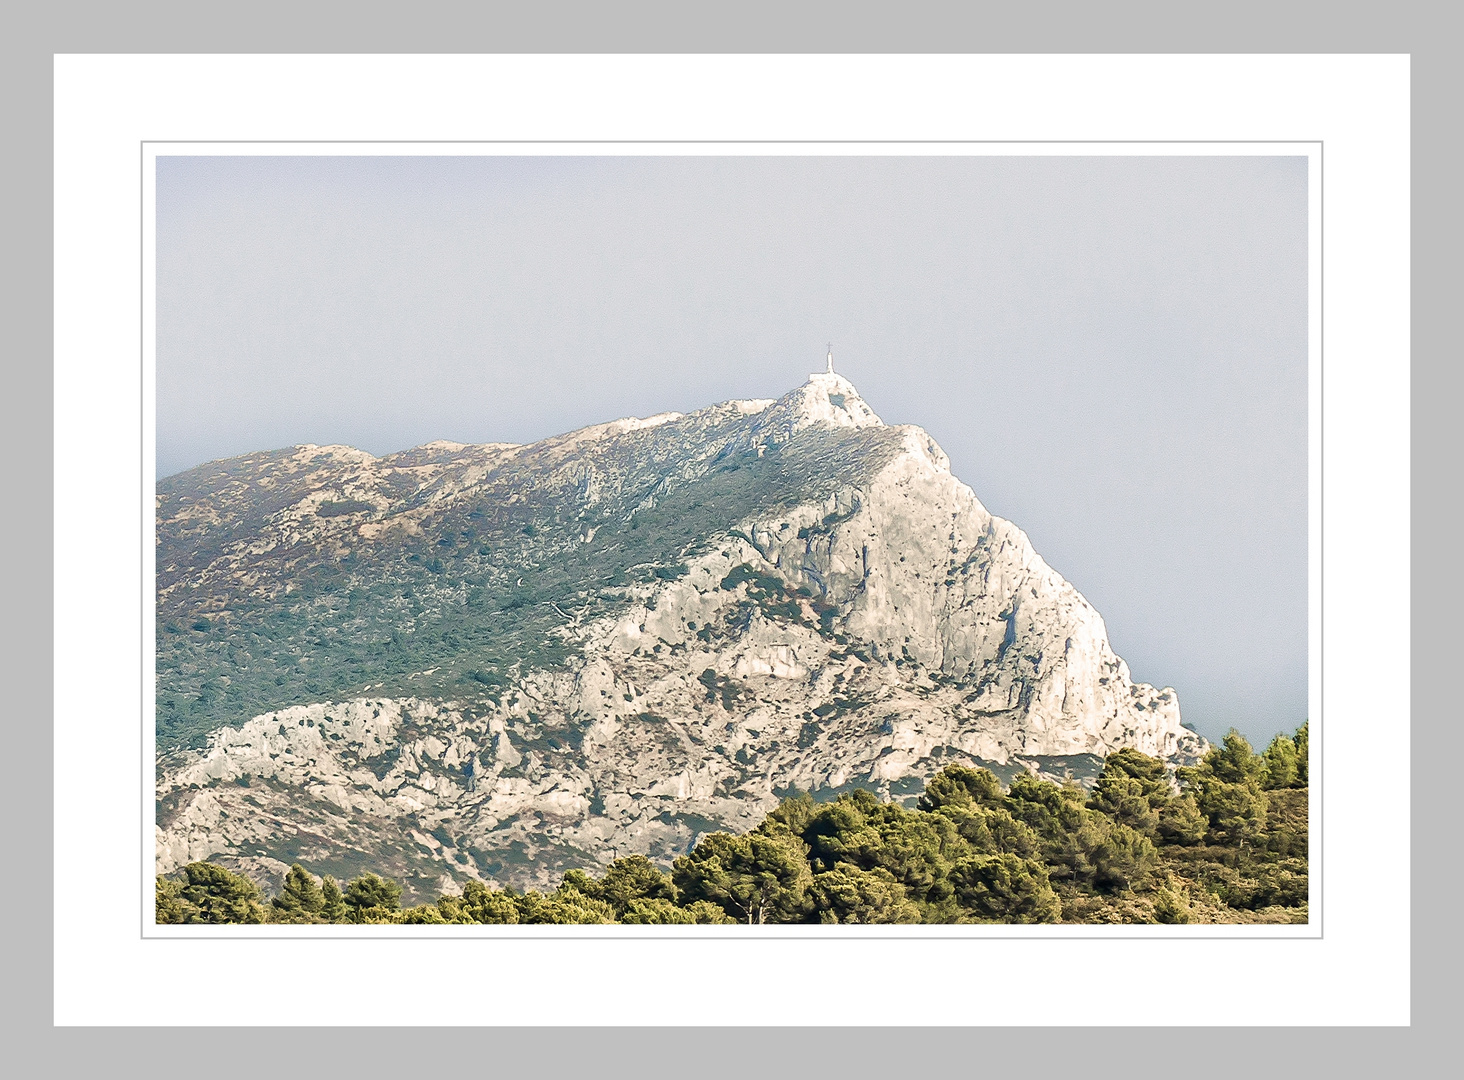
(498, 662)
(825, 399)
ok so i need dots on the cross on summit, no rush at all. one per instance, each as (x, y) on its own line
(827, 377)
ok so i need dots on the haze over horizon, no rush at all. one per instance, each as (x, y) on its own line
(1112, 351)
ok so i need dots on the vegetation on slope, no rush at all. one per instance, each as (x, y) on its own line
(491, 562)
(1229, 845)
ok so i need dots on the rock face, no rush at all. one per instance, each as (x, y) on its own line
(678, 620)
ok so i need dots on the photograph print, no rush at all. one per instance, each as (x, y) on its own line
(673, 538)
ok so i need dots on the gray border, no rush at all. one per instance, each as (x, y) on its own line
(148, 485)
(36, 31)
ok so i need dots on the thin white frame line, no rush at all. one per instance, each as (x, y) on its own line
(1130, 931)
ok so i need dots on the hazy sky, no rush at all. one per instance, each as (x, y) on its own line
(1111, 350)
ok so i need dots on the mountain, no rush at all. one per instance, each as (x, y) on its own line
(503, 661)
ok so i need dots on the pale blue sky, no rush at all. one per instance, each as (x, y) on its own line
(1111, 350)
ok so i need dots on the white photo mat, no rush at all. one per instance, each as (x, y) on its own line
(115, 114)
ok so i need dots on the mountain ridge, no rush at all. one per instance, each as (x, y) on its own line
(701, 610)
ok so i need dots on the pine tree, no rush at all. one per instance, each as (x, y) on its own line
(756, 878)
(211, 894)
(373, 899)
(847, 894)
(169, 905)
(1005, 888)
(1280, 768)
(333, 905)
(300, 899)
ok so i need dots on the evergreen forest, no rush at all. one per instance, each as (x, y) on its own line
(1224, 841)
